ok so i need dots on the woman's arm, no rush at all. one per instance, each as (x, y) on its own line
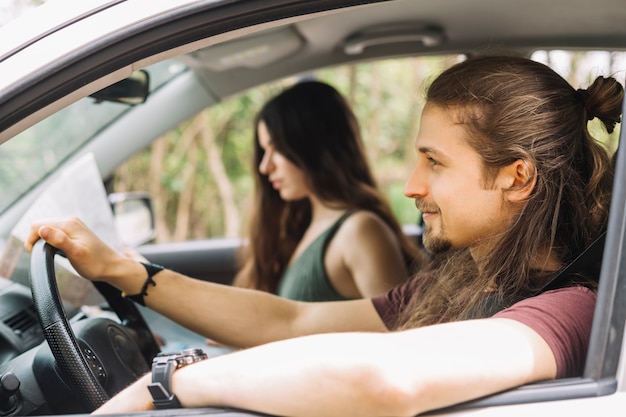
(364, 374)
(234, 316)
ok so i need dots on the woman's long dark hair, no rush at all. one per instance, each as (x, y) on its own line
(518, 109)
(313, 126)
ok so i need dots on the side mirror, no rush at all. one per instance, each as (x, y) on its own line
(134, 217)
(131, 90)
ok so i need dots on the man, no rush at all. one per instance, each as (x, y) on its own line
(511, 186)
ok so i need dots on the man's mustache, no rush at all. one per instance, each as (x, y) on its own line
(426, 207)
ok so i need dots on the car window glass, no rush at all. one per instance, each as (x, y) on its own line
(33, 154)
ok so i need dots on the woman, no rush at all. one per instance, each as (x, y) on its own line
(320, 230)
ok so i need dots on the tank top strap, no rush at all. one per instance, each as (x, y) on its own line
(333, 229)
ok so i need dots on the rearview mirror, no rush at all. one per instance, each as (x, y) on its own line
(132, 90)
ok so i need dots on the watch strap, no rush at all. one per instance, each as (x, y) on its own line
(160, 389)
(163, 366)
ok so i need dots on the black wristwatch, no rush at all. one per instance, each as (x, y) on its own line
(163, 366)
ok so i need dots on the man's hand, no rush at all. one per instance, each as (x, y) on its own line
(91, 257)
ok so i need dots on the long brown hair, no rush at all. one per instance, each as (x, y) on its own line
(312, 125)
(517, 109)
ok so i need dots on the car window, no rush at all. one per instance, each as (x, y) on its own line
(580, 68)
(39, 150)
(204, 181)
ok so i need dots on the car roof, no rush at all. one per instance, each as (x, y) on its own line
(410, 27)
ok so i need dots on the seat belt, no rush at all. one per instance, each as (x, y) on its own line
(591, 254)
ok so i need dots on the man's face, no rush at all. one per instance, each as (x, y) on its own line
(459, 207)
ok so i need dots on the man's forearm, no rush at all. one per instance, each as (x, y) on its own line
(233, 316)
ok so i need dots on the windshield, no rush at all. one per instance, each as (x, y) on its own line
(30, 156)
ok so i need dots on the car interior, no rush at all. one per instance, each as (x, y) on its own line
(182, 62)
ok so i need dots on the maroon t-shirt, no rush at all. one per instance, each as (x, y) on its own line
(562, 317)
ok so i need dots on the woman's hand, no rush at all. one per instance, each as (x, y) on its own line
(91, 257)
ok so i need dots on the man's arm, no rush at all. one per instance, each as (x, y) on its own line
(234, 316)
(365, 374)
(243, 317)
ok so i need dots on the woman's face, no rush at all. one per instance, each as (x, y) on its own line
(284, 175)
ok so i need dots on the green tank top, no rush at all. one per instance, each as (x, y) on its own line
(306, 279)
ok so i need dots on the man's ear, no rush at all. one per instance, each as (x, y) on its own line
(518, 180)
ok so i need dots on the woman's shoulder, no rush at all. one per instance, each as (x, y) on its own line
(365, 223)
(365, 232)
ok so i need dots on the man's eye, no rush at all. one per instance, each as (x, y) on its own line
(432, 161)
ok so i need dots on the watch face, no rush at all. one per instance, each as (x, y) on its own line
(182, 358)
(189, 356)
(192, 352)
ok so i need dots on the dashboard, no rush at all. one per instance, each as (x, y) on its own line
(19, 326)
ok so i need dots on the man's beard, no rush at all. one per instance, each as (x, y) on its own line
(435, 244)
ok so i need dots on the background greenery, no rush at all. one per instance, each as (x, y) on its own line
(199, 174)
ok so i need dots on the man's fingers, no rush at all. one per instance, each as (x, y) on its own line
(52, 235)
(53, 231)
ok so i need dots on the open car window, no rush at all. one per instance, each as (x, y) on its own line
(210, 154)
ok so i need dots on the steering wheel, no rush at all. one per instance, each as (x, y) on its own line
(60, 336)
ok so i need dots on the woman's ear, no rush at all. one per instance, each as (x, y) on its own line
(518, 180)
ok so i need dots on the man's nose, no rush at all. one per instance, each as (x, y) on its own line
(416, 185)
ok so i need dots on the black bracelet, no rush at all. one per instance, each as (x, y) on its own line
(152, 270)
